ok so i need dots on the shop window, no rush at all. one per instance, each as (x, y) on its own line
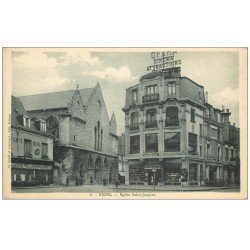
(44, 150)
(193, 172)
(192, 115)
(22, 177)
(171, 117)
(135, 144)
(172, 142)
(27, 148)
(151, 143)
(192, 143)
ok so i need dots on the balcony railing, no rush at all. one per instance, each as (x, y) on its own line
(134, 126)
(150, 98)
(171, 122)
(151, 124)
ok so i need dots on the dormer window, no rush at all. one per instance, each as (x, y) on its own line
(26, 121)
(42, 125)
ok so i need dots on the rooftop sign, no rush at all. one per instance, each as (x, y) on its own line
(163, 60)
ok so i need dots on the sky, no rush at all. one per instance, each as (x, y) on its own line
(37, 71)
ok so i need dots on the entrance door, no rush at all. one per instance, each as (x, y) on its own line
(151, 177)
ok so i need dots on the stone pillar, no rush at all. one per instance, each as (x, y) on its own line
(233, 176)
(218, 172)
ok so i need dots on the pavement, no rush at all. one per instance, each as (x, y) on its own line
(121, 188)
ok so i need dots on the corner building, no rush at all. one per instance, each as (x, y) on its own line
(86, 141)
(165, 131)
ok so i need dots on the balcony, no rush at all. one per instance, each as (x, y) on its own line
(151, 124)
(134, 126)
(150, 98)
(171, 122)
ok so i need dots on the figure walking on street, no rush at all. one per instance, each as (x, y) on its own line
(91, 180)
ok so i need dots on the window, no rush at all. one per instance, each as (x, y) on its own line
(208, 131)
(135, 144)
(151, 121)
(22, 177)
(74, 138)
(192, 115)
(232, 153)
(150, 90)
(208, 150)
(219, 134)
(45, 149)
(226, 153)
(98, 134)
(171, 89)
(135, 96)
(219, 152)
(200, 150)
(134, 121)
(214, 133)
(43, 126)
(171, 117)
(172, 142)
(90, 161)
(14, 177)
(200, 129)
(151, 143)
(192, 143)
(26, 121)
(27, 148)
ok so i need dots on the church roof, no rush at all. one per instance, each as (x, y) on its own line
(53, 100)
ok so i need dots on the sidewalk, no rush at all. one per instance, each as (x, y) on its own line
(169, 188)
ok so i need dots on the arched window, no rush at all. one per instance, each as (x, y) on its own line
(95, 138)
(151, 121)
(98, 162)
(172, 117)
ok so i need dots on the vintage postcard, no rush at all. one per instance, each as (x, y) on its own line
(125, 123)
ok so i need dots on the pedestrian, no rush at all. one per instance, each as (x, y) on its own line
(91, 180)
(67, 181)
(116, 183)
(104, 182)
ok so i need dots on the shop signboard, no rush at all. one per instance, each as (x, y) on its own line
(30, 166)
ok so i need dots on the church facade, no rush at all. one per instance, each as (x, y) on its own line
(86, 142)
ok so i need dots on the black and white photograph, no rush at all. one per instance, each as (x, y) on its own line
(125, 123)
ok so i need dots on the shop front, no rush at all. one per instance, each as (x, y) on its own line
(31, 174)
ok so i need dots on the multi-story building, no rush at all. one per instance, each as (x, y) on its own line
(121, 158)
(31, 148)
(168, 135)
(86, 141)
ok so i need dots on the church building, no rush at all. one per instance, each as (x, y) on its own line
(86, 142)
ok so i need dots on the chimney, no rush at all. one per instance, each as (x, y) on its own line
(206, 97)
